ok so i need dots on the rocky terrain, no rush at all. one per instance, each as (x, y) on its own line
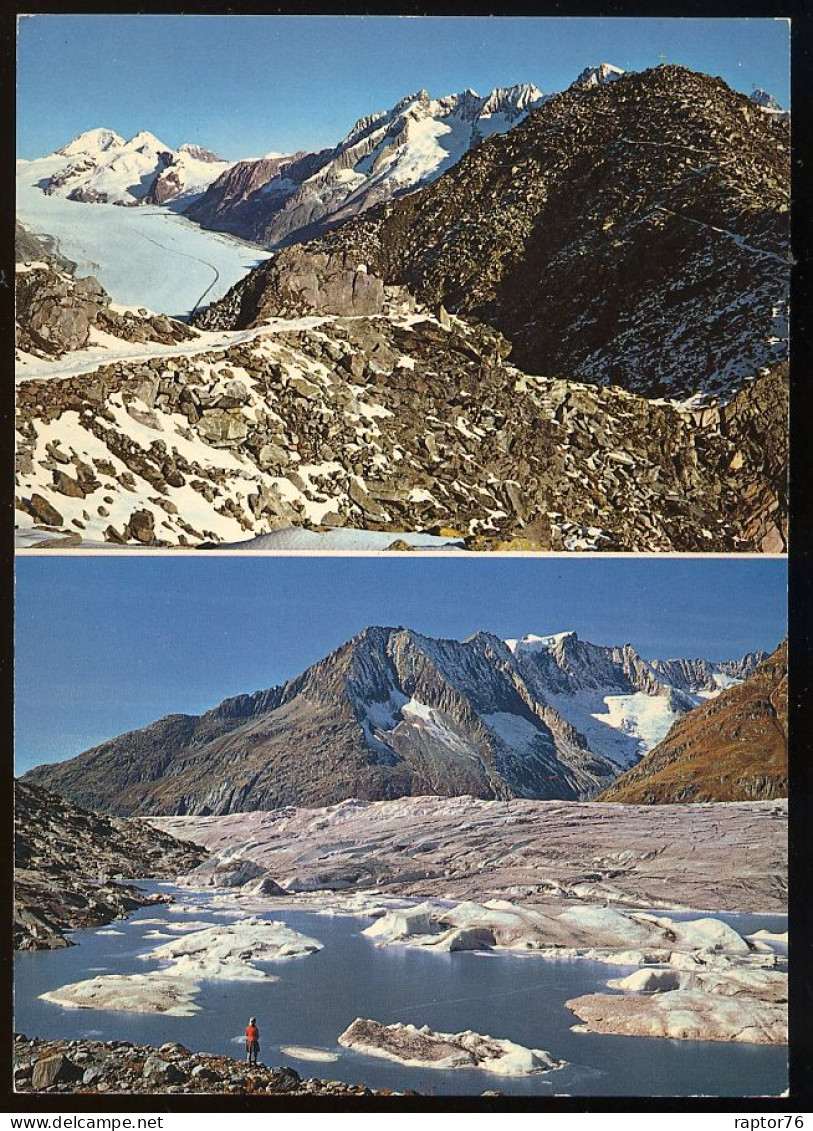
(58, 313)
(393, 713)
(603, 252)
(396, 422)
(88, 1067)
(101, 167)
(67, 862)
(732, 749)
(728, 856)
(384, 155)
(235, 200)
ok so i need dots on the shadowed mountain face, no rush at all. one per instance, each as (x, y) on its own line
(734, 748)
(66, 860)
(388, 714)
(631, 233)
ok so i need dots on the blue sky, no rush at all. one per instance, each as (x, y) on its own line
(107, 644)
(244, 85)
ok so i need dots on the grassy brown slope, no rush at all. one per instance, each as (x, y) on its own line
(734, 748)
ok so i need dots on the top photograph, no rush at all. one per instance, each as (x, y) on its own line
(357, 284)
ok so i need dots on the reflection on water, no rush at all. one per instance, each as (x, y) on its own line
(316, 998)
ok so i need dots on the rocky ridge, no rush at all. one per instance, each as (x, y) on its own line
(384, 155)
(382, 419)
(390, 713)
(67, 861)
(732, 749)
(602, 252)
(88, 1067)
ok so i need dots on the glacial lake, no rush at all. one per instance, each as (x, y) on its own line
(520, 997)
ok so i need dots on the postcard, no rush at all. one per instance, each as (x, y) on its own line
(401, 559)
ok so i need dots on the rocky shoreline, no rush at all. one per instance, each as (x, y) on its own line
(69, 863)
(85, 1067)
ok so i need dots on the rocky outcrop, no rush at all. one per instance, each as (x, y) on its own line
(297, 281)
(235, 201)
(402, 422)
(734, 748)
(67, 861)
(30, 248)
(88, 1067)
(57, 312)
(632, 233)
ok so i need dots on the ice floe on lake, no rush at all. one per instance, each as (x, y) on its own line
(224, 952)
(425, 1048)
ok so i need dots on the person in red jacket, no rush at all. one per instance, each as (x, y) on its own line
(252, 1041)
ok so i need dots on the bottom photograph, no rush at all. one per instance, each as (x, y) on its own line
(401, 825)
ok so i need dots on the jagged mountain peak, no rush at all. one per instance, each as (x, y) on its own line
(385, 154)
(393, 712)
(532, 642)
(597, 76)
(765, 99)
(200, 152)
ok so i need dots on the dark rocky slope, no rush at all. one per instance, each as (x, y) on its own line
(633, 233)
(734, 748)
(235, 201)
(66, 860)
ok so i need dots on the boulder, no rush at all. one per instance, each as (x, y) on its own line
(50, 1070)
(162, 1071)
(43, 512)
(141, 526)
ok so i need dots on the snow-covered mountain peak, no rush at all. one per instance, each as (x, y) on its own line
(533, 643)
(520, 97)
(769, 104)
(597, 76)
(100, 140)
(144, 140)
(101, 167)
(765, 99)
